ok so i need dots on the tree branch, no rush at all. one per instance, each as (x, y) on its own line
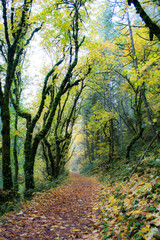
(32, 34)
(12, 17)
(153, 28)
(1, 49)
(38, 114)
(5, 22)
(128, 80)
(23, 25)
(73, 107)
(19, 111)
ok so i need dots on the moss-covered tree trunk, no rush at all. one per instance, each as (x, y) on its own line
(50, 167)
(46, 158)
(133, 141)
(138, 117)
(5, 115)
(14, 43)
(29, 163)
(16, 185)
(6, 159)
(58, 159)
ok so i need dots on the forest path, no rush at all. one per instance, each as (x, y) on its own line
(66, 212)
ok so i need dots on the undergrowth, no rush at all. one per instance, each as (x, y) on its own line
(42, 186)
(130, 209)
(46, 185)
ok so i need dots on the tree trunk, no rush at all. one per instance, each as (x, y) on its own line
(133, 140)
(29, 163)
(147, 108)
(58, 159)
(5, 115)
(111, 126)
(6, 160)
(52, 165)
(138, 97)
(46, 159)
(29, 174)
(121, 132)
(111, 140)
(87, 142)
(92, 150)
(16, 186)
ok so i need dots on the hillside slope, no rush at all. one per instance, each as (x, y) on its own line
(131, 209)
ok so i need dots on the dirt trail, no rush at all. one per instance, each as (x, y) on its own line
(67, 212)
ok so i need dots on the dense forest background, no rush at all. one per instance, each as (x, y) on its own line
(79, 88)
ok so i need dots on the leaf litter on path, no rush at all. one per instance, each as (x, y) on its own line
(65, 213)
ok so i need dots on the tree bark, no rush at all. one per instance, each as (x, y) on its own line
(58, 159)
(51, 159)
(28, 165)
(5, 115)
(46, 159)
(6, 160)
(132, 142)
(16, 185)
